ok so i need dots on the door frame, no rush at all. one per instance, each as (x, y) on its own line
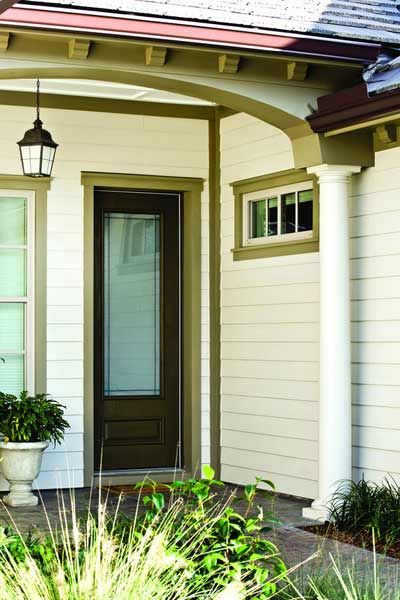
(191, 190)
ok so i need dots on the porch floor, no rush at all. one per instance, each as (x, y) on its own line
(295, 545)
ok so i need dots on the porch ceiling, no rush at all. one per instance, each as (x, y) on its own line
(101, 89)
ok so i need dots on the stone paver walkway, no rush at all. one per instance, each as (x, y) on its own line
(295, 544)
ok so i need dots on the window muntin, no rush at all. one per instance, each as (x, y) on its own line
(16, 290)
(279, 214)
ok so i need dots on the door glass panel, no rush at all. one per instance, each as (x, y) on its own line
(12, 221)
(131, 304)
(288, 218)
(305, 210)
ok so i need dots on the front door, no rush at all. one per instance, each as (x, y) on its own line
(137, 330)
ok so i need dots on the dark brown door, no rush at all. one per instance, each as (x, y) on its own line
(137, 330)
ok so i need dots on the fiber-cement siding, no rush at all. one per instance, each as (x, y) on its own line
(270, 329)
(112, 144)
(269, 332)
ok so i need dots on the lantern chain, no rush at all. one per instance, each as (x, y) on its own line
(38, 98)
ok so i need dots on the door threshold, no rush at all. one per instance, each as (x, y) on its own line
(131, 476)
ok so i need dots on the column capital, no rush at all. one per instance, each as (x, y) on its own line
(339, 173)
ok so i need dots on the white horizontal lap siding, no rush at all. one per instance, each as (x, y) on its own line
(270, 335)
(112, 144)
(375, 286)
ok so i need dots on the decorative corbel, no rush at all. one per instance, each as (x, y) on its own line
(228, 63)
(78, 48)
(386, 134)
(297, 71)
(4, 40)
(155, 56)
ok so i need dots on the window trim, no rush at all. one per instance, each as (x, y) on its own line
(283, 246)
(251, 197)
(38, 189)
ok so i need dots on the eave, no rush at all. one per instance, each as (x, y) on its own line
(344, 110)
(199, 34)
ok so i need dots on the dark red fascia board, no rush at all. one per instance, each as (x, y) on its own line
(352, 106)
(152, 29)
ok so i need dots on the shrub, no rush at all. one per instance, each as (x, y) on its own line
(368, 508)
(337, 583)
(189, 547)
(235, 543)
(31, 418)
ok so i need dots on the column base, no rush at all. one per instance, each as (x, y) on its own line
(316, 512)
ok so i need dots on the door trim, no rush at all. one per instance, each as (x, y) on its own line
(191, 190)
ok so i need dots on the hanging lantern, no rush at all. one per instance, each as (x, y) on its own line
(37, 147)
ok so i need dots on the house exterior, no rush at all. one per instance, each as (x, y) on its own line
(211, 274)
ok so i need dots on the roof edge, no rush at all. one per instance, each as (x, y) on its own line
(352, 106)
(166, 31)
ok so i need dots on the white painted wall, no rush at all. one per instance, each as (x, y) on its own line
(375, 271)
(269, 335)
(270, 329)
(103, 143)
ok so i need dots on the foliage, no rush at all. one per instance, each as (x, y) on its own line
(368, 507)
(234, 543)
(185, 547)
(337, 583)
(21, 547)
(31, 418)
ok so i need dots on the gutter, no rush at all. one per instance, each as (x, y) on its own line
(352, 106)
(209, 35)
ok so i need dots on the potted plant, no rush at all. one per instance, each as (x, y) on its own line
(28, 424)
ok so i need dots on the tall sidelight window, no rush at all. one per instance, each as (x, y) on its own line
(278, 214)
(16, 291)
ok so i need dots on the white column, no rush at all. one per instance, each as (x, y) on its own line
(335, 446)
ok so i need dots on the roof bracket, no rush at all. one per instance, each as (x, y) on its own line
(155, 56)
(4, 40)
(78, 48)
(228, 63)
(297, 71)
(386, 134)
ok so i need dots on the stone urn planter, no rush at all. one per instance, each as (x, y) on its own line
(20, 465)
(28, 424)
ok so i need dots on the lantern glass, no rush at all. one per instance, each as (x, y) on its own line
(37, 150)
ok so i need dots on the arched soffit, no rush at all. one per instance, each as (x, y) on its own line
(278, 106)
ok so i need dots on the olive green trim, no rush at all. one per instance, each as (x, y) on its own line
(215, 291)
(269, 250)
(21, 182)
(281, 248)
(40, 187)
(108, 105)
(262, 182)
(49, 39)
(148, 182)
(191, 346)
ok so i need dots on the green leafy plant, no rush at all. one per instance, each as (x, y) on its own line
(163, 555)
(31, 418)
(366, 508)
(235, 544)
